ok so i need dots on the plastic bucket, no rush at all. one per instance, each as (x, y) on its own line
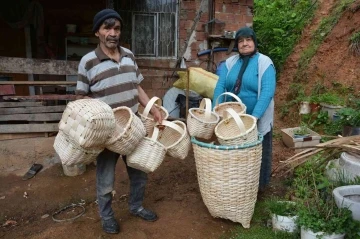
(74, 170)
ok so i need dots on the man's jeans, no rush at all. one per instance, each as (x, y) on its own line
(266, 159)
(105, 177)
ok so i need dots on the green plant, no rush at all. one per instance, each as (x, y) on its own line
(331, 99)
(318, 211)
(354, 47)
(278, 25)
(348, 117)
(280, 207)
(302, 130)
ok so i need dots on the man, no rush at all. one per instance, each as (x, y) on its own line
(110, 73)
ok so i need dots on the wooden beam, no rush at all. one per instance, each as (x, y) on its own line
(32, 117)
(20, 136)
(37, 66)
(19, 104)
(30, 110)
(29, 128)
(41, 97)
(67, 83)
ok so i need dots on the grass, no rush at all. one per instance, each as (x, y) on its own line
(318, 37)
(354, 47)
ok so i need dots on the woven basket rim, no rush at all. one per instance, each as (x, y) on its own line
(221, 105)
(224, 147)
(183, 135)
(237, 136)
(201, 120)
(128, 124)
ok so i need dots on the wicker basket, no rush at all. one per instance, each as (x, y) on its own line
(229, 178)
(148, 155)
(89, 122)
(236, 129)
(238, 106)
(148, 119)
(128, 132)
(201, 121)
(175, 138)
(71, 153)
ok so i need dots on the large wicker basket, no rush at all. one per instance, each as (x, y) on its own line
(236, 129)
(147, 118)
(229, 178)
(148, 155)
(238, 105)
(89, 122)
(128, 132)
(201, 121)
(71, 153)
(175, 138)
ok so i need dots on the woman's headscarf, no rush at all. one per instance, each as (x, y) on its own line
(244, 32)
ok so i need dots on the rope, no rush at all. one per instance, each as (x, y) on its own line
(65, 208)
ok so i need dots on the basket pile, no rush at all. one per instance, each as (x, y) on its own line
(84, 129)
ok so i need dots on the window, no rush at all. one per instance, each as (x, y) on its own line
(150, 26)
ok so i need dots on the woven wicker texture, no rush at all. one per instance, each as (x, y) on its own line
(175, 138)
(89, 122)
(71, 153)
(228, 179)
(238, 106)
(147, 118)
(236, 129)
(128, 132)
(201, 121)
(148, 155)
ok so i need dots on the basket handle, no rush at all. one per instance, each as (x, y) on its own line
(231, 94)
(173, 125)
(237, 119)
(150, 104)
(155, 134)
(206, 105)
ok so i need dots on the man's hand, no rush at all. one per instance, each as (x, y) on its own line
(157, 114)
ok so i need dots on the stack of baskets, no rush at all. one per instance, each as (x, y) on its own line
(228, 173)
(84, 129)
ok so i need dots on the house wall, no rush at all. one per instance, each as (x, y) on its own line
(193, 16)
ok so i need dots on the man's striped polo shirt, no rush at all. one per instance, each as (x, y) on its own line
(113, 82)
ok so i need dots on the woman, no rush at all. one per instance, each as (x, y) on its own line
(251, 75)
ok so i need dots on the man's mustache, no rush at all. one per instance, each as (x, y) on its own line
(112, 38)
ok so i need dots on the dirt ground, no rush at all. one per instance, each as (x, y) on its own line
(172, 190)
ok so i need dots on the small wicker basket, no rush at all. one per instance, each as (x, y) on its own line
(71, 153)
(236, 129)
(89, 122)
(148, 119)
(201, 121)
(228, 178)
(238, 106)
(148, 155)
(128, 132)
(175, 138)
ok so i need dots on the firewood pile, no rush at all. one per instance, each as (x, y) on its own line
(329, 149)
